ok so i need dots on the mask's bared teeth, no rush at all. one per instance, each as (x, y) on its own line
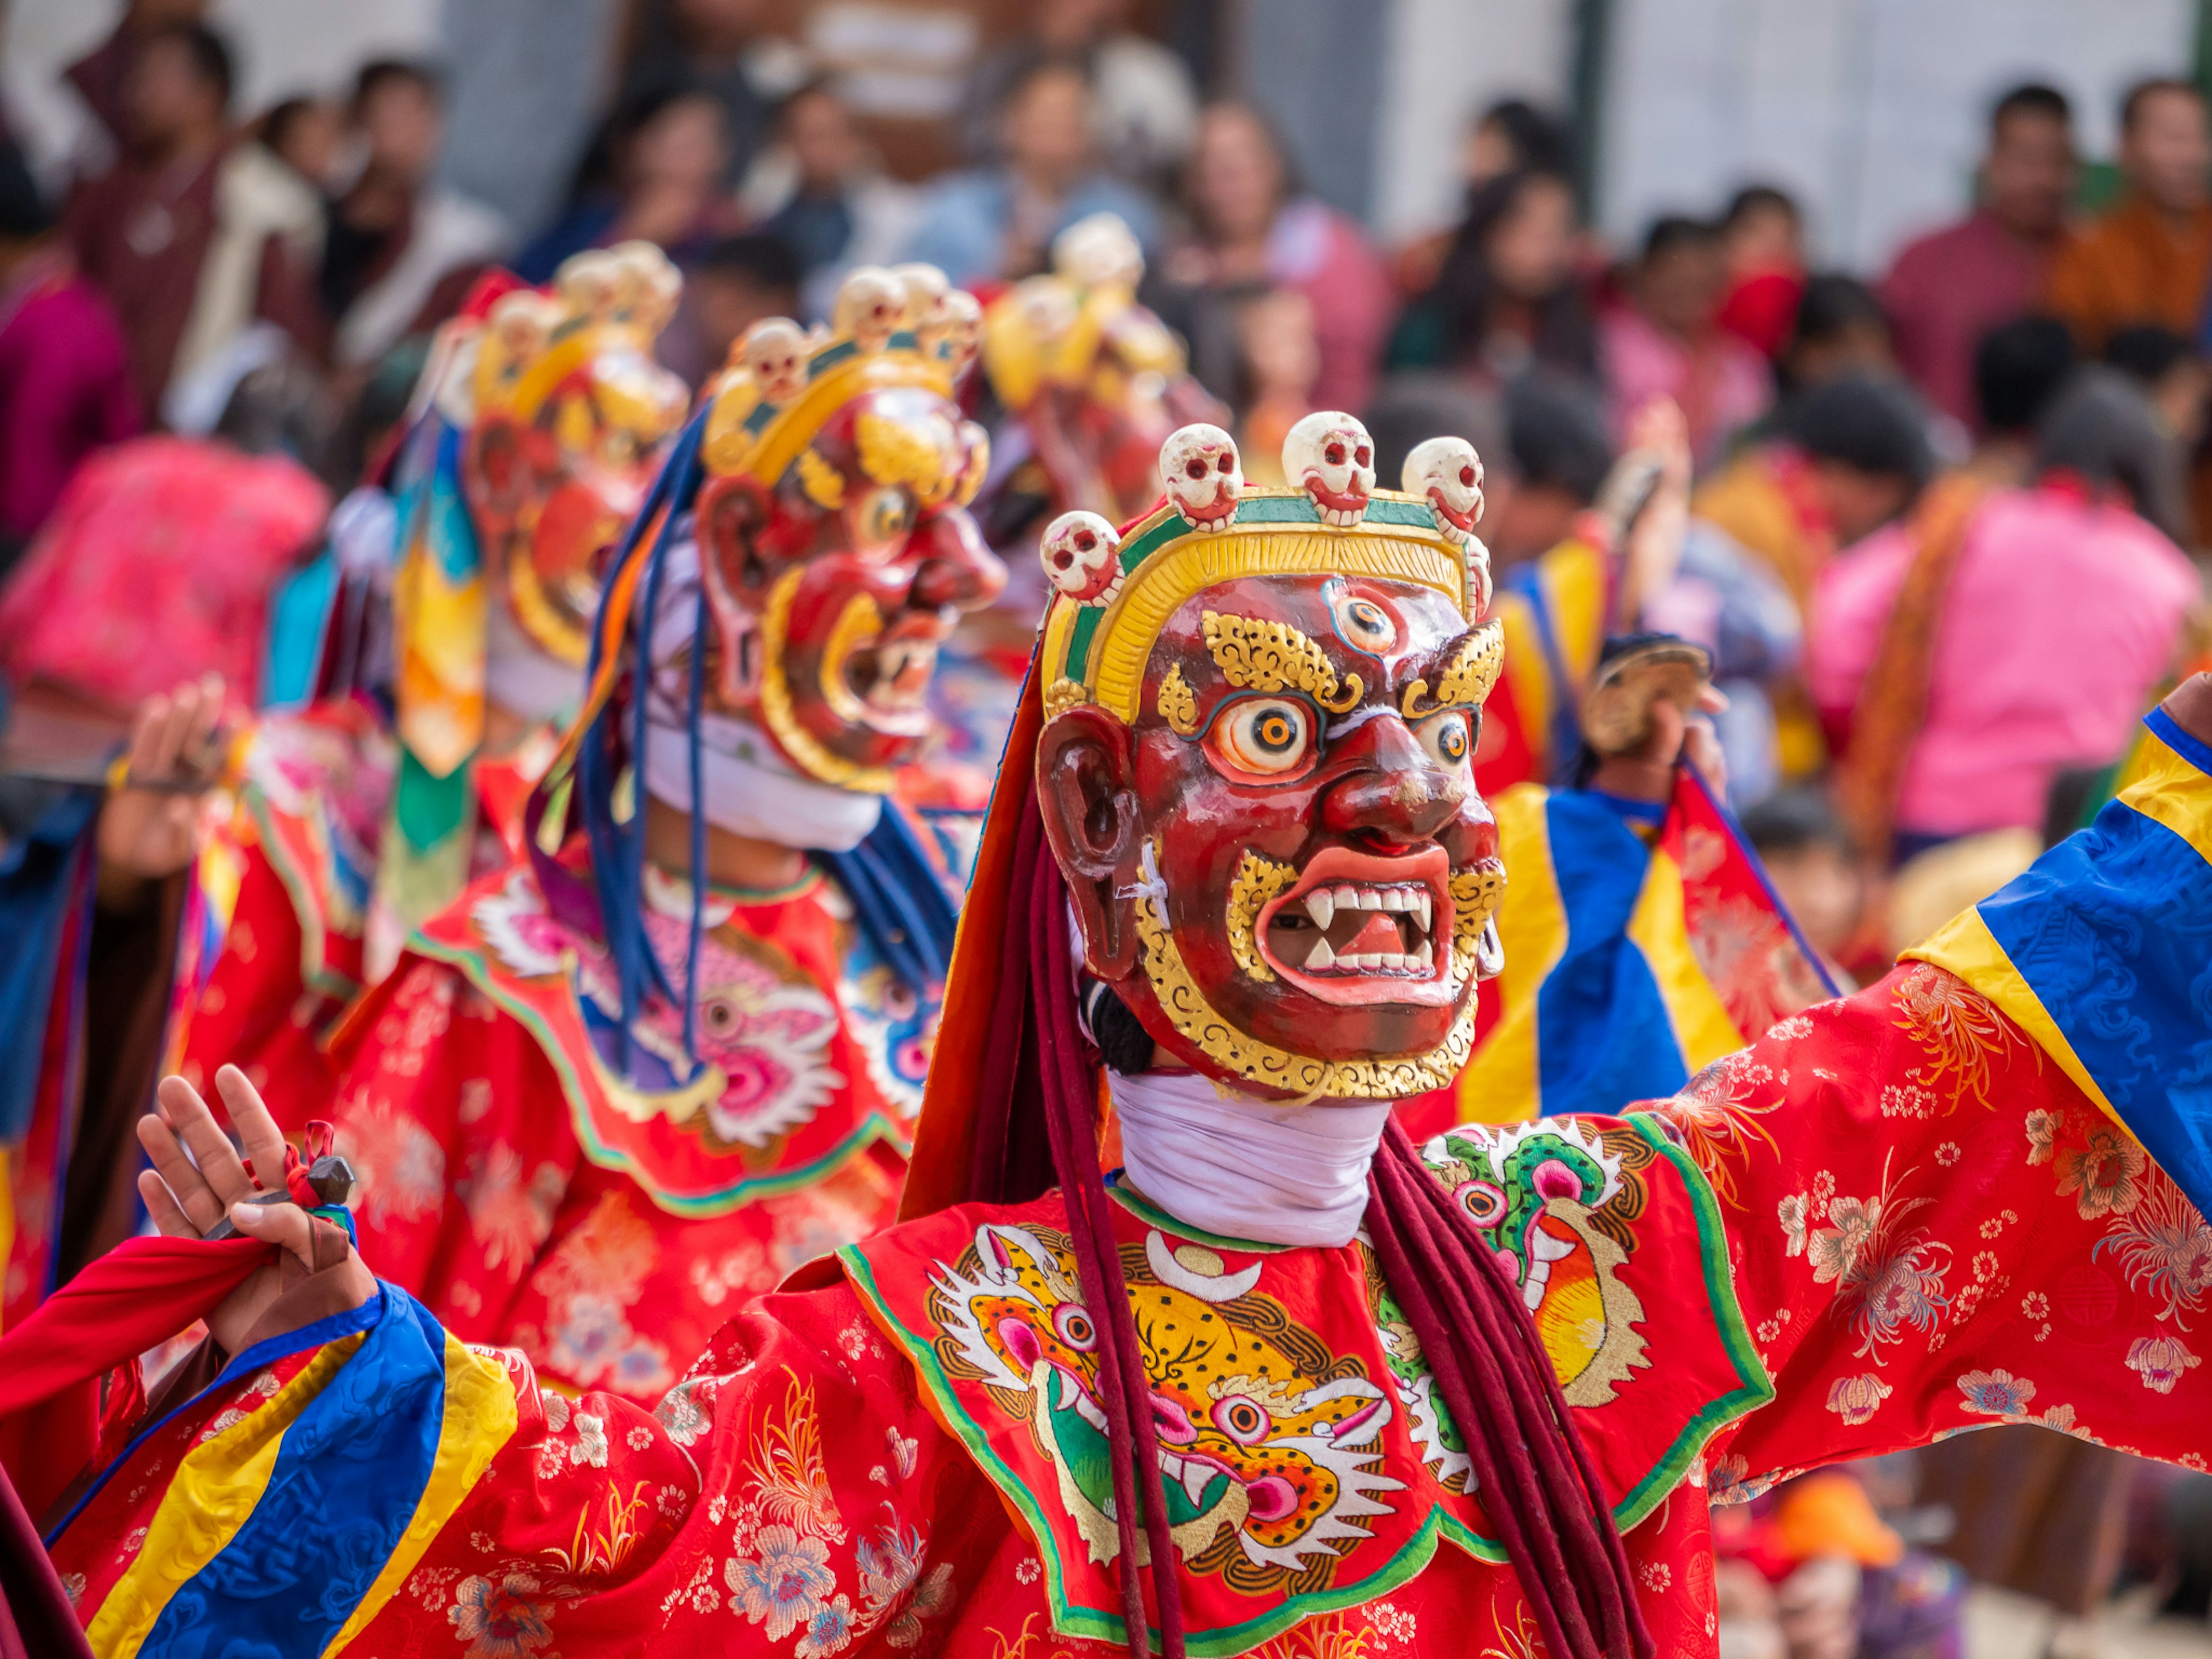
(1322, 957)
(1423, 909)
(1321, 906)
(1395, 898)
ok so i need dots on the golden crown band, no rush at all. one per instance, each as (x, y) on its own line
(1113, 592)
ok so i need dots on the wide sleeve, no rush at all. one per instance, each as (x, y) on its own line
(1963, 1196)
(373, 1486)
(456, 1126)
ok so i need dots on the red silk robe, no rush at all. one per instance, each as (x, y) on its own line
(1893, 1218)
(528, 1193)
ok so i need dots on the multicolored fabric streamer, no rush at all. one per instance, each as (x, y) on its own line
(440, 616)
(2101, 952)
(1632, 959)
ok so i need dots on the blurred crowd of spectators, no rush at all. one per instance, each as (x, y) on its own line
(2049, 357)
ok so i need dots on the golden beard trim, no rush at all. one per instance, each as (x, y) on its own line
(1246, 1057)
(777, 714)
(1476, 892)
(1257, 881)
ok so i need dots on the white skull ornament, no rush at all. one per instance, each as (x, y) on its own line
(870, 301)
(1099, 251)
(1449, 473)
(961, 332)
(774, 352)
(1082, 557)
(1203, 473)
(926, 288)
(1330, 456)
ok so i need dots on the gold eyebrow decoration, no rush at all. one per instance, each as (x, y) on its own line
(1274, 656)
(1178, 705)
(1467, 677)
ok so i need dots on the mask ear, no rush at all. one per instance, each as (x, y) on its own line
(1086, 789)
(730, 515)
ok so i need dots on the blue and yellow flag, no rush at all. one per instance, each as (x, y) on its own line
(2102, 953)
(1641, 943)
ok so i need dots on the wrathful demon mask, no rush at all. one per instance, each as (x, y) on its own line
(835, 548)
(1262, 708)
(569, 416)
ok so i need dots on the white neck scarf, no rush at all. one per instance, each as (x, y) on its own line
(1248, 1169)
(520, 675)
(750, 789)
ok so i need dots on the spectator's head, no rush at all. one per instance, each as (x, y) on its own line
(663, 137)
(2103, 434)
(1237, 178)
(1810, 860)
(1841, 329)
(282, 408)
(823, 139)
(2018, 368)
(743, 280)
(2166, 149)
(1866, 437)
(308, 136)
(1276, 343)
(1514, 136)
(1680, 276)
(2171, 370)
(1409, 408)
(1515, 250)
(178, 90)
(1524, 224)
(399, 109)
(678, 140)
(1044, 127)
(1762, 231)
(2027, 175)
(1561, 450)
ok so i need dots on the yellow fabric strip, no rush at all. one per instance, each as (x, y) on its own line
(2170, 790)
(1525, 669)
(480, 1417)
(1964, 946)
(215, 1490)
(1499, 1084)
(1703, 1030)
(1573, 578)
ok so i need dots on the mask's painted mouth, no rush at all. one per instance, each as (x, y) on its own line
(1357, 929)
(879, 676)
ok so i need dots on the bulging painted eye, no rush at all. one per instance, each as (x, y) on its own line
(1365, 625)
(1268, 737)
(884, 516)
(1446, 738)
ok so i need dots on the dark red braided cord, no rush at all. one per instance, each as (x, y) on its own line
(1533, 1475)
(1124, 1390)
